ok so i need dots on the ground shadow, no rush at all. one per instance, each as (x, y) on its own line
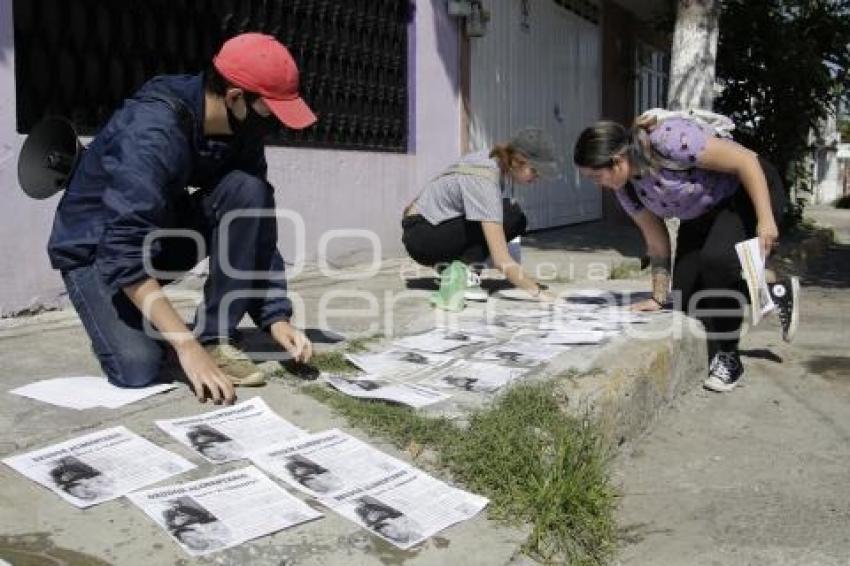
(829, 270)
(254, 339)
(588, 237)
(609, 298)
(304, 372)
(761, 354)
(422, 283)
(833, 368)
(260, 347)
(496, 285)
(432, 284)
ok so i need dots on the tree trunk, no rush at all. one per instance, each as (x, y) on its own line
(694, 55)
(692, 66)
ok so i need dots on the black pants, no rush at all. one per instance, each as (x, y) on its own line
(707, 272)
(456, 239)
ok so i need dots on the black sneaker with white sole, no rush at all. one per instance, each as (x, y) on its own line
(786, 295)
(724, 373)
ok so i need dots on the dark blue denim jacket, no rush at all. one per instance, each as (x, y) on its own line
(132, 180)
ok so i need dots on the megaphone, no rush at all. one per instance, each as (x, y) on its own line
(48, 157)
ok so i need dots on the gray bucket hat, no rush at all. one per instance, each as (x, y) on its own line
(538, 148)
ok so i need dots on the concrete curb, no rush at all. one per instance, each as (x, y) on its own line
(633, 380)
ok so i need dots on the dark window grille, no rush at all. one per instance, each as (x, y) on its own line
(80, 58)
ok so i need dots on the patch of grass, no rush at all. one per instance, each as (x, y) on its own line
(396, 423)
(328, 362)
(356, 345)
(536, 464)
(332, 362)
(625, 270)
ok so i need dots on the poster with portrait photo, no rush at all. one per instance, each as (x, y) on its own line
(396, 361)
(407, 507)
(193, 526)
(327, 463)
(478, 377)
(223, 511)
(369, 387)
(99, 467)
(440, 340)
(229, 434)
(520, 353)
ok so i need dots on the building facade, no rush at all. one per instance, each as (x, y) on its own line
(555, 64)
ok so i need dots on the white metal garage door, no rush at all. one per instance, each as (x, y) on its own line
(545, 73)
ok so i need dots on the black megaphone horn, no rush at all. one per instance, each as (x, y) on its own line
(48, 157)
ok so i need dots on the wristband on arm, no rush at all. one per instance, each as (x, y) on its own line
(660, 278)
(660, 264)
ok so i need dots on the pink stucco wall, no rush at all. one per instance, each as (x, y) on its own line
(329, 190)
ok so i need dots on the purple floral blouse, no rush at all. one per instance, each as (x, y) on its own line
(679, 194)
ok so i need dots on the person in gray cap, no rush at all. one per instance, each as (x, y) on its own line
(461, 217)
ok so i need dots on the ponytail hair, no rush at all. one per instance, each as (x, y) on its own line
(598, 145)
(506, 156)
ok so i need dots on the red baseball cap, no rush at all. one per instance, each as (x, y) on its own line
(261, 64)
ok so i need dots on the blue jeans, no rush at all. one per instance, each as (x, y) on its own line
(129, 356)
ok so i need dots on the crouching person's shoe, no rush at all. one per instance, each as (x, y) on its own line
(236, 365)
(474, 291)
(724, 373)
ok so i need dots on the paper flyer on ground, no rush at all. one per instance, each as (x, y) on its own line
(528, 313)
(440, 340)
(98, 467)
(752, 265)
(370, 387)
(563, 337)
(489, 328)
(406, 507)
(229, 434)
(86, 392)
(520, 352)
(472, 376)
(572, 324)
(327, 464)
(222, 511)
(617, 315)
(396, 360)
(524, 323)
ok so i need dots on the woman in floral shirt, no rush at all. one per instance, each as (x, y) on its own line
(722, 192)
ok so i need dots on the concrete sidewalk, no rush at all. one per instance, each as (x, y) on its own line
(624, 383)
(757, 476)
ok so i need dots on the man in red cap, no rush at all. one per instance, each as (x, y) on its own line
(178, 171)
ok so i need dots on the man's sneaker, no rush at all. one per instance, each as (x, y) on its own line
(786, 295)
(473, 291)
(724, 373)
(236, 365)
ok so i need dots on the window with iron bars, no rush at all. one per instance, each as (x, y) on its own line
(80, 58)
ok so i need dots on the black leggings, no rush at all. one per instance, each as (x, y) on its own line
(456, 239)
(706, 262)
